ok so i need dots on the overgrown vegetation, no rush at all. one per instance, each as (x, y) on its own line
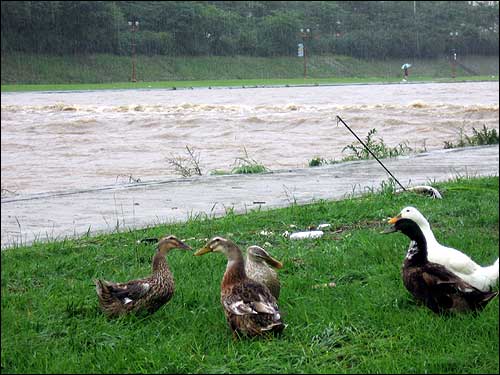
(363, 321)
(377, 147)
(318, 161)
(365, 29)
(189, 165)
(360, 152)
(186, 166)
(484, 136)
(100, 71)
(247, 165)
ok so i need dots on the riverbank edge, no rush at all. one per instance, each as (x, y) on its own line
(243, 84)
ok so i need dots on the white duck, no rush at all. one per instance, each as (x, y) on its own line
(483, 278)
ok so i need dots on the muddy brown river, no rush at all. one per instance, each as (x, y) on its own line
(57, 141)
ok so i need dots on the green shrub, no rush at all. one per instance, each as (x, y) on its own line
(379, 149)
(316, 162)
(247, 165)
(484, 136)
(250, 168)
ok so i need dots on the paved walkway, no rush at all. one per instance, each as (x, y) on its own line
(59, 214)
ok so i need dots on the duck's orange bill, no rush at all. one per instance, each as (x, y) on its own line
(203, 250)
(394, 219)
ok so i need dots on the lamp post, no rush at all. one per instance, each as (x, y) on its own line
(208, 36)
(305, 34)
(337, 28)
(134, 26)
(453, 57)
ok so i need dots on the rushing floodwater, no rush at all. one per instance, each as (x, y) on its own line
(77, 140)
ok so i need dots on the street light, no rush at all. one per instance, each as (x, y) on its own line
(453, 57)
(134, 26)
(209, 36)
(337, 28)
(305, 34)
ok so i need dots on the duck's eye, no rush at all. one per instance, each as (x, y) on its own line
(407, 210)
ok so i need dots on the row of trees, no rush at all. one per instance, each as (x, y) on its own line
(366, 29)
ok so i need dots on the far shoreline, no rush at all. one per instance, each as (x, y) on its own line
(236, 84)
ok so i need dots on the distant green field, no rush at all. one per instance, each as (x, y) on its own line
(21, 72)
(366, 323)
(246, 83)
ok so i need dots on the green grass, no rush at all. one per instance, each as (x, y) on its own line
(249, 169)
(247, 165)
(24, 72)
(243, 83)
(368, 323)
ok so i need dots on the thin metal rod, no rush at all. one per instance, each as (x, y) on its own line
(365, 146)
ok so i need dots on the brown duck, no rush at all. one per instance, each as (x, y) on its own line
(249, 306)
(431, 283)
(141, 295)
(259, 267)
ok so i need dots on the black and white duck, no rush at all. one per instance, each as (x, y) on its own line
(483, 278)
(435, 286)
(142, 295)
(249, 306)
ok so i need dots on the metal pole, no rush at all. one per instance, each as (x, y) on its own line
(133, 53)
(304, 33)
(454, 57)
(365, 146)
(305, 58)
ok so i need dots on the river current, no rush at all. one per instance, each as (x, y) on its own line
(59, 141)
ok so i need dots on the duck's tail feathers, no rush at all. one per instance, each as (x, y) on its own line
(103, 291)
(492, 273)
(487, 298)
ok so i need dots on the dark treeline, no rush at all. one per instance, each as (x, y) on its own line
(365, 29)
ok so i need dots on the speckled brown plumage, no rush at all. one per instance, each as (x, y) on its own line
(431, 283)
(142, 295)
(248, 305)
(258, 267)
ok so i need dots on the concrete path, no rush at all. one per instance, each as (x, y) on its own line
(57, 215)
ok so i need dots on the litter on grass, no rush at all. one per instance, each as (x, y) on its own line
(425, 190)
(308, 234)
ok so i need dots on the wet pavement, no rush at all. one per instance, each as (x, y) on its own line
(56, 215)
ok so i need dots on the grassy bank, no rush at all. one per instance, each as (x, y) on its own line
(242, 83)
(20, 69)
(367, 323)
